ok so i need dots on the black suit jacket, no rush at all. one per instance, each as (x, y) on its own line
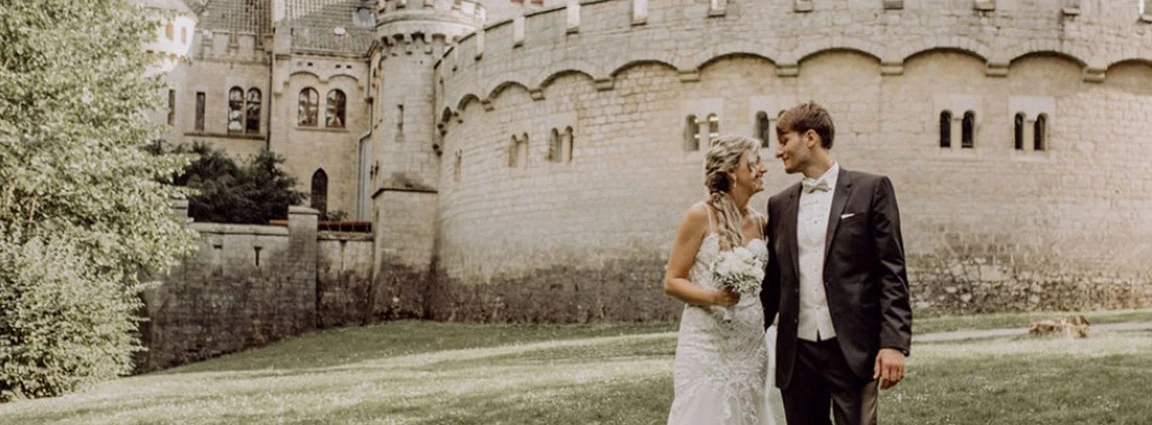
(864, 276)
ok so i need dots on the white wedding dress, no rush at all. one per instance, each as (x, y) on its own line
(721, 370)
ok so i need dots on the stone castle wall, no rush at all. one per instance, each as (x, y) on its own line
(345, 294)
(245, 286)
(986, 228)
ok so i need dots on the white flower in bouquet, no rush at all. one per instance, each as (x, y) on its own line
(738, 270)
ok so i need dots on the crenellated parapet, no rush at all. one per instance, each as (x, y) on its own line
(590, 37)
(406, 19)
(465, 11)
(425, 27)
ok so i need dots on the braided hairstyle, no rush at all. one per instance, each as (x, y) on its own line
(723, 157)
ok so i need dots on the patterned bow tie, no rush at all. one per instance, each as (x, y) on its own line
(810, 185)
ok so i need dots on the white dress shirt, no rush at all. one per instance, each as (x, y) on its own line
(815, 322)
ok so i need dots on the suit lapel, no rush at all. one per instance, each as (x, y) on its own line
(839, 200)
(790, 222)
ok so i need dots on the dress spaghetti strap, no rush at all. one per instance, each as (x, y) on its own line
(711, 227)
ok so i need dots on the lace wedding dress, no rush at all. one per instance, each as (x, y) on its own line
(721, 369)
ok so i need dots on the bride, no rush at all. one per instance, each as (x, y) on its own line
(720, 372)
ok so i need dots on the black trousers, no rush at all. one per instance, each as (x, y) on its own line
(822, 380)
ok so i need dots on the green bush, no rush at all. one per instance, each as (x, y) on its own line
(82, 211)
(224, 192)
(62, 326)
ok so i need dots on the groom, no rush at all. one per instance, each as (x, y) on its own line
(836, 276)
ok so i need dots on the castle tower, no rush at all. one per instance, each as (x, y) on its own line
(412, 35)
(172, 46)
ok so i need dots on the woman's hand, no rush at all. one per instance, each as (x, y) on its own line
(725, 298)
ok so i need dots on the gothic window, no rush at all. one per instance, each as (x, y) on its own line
(200, 111)
(1040, 135)
(1018, 132)
(171, 106)
(184, 35)
(713, 127)
(169, 32)
(307, 110)
(569, 140)
(513, 150)
(946, 129)
(252, 112)
(335, 116)
(764, 129)
(692, 134)
(968, 130)
(555, 146)
(522, 151)
(320, 191)
(235, 110)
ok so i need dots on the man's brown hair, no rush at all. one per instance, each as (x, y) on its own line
(808, 116)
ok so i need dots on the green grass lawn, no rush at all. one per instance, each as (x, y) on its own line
(443, 374)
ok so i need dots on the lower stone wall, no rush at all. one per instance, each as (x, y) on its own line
(969, 278)
(246, 286)
(626, 290)
(344, 279)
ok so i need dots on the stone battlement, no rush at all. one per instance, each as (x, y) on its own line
(531, 50)
(428, 26)
(461, 11)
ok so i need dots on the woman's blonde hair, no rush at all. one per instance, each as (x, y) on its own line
(722, 158)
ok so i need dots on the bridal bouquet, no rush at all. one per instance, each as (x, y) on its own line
(738, 270)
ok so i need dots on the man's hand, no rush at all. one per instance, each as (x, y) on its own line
(889, 367)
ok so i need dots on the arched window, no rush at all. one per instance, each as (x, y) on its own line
(764, 129)
(1018, 131)
(235, 110)
(1040, 135)
(569, 141)
(713, 127)
(946, 129)
(200, 101)
(320, 191)
(306, 112)
(252, 112)
(169, 32)
(522, 151)
(171, 106)
(335, 116)
(968, 130)
(692, 134)
(184, 35)
(555, 147)
(513, 150)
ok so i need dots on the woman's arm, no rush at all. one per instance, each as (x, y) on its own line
(689, 236)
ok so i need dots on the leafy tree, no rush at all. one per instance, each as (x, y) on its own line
(82, 212)
(223, 192)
